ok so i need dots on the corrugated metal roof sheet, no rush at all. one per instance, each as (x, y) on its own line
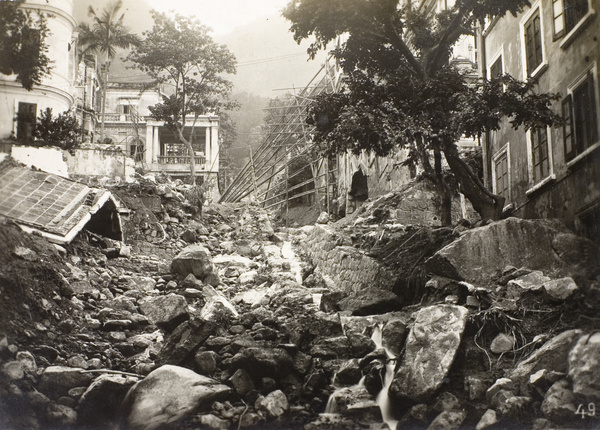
(57, 207)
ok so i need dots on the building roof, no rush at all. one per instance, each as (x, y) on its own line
(55, 206)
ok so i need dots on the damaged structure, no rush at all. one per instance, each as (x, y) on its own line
(56, 207)
(75, 86)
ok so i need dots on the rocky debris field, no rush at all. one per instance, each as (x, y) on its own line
(219, 320)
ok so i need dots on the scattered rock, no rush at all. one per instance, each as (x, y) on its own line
(371, 301)
(448, 420)
(584, 365)
(195, 259)
(553, 355)
(56, 381)
(275, 404)
(502, 343)
(559, 402)
(184, 341)
(165, 311)
(242, 382)
(533, 281)
(488, 419)
(561, 289)
(169, 394)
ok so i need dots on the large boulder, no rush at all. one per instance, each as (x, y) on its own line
(371, 301)
(194, 259)
(165, 311)
(168, 395)
(430, 350)
(100, 403)
(478, 255)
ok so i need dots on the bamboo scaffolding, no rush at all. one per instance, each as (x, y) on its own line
(286, 141)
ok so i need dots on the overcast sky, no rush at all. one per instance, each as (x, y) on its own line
(222, 15)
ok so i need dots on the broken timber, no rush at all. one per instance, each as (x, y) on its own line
(265, 176)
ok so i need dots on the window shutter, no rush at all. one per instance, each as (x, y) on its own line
(593, 123)
(567, 114)
(558, 11)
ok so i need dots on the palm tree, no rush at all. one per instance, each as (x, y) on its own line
(104, 36)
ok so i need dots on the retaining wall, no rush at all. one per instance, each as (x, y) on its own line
(344, 267)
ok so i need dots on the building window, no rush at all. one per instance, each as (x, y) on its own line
(579, 109)
(501, 173)
(540, 155)
(496, 68)
(26, 119)
(567, 14)
(533, 43)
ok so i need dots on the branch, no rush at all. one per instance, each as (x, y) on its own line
(398, 42)
(451, 33)
(451, 147)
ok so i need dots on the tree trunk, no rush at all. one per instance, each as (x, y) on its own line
(487, 204)
(104, 88)
(446, 192)
(188, 144)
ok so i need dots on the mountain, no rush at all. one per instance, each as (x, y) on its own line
(268, 57)
(269, 60)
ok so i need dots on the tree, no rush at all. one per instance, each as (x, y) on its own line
(179, 51)
(106, 34)
(402, 89)
(61, 131)
(23, 45)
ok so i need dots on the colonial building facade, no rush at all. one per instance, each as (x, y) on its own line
(74, 85)
(155, 148)
(553, 171)
(19, 108)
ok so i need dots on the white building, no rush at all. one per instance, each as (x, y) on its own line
(19, 108)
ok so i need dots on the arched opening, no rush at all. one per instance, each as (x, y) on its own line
(359, 190)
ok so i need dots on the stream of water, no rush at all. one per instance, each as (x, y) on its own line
(382, 400)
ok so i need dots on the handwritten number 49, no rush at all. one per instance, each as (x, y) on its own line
(589, 412)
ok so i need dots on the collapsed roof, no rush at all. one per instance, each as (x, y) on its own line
(56, 207)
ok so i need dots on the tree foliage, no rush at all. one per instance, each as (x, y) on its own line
(106, 34)
(23, 49)
(180, 53)
(402, 89)
(62, 131)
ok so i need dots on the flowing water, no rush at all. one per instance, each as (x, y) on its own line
(383, 400)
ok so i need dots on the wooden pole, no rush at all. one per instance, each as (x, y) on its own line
(287, 196)
(253, 172)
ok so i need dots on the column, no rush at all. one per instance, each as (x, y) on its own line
(215, 147)
(155, 145)
(148, 145)
(207, 146)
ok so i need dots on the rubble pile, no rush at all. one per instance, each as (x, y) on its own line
(206, 318)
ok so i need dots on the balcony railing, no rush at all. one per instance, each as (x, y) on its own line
(180, 159)
(121, 117)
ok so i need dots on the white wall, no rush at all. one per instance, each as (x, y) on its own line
(99, 162)
(55, 90)
(49, 160)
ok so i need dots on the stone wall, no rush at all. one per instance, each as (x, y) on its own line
(344, 267)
